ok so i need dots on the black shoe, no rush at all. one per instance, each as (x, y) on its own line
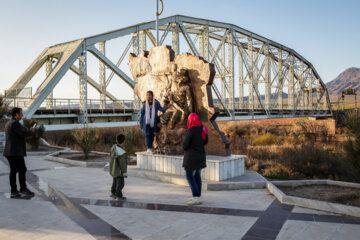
(113, 196)
(15, 194)
(121, 198)
(27, 192)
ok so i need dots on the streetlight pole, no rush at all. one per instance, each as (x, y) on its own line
(157, 19)
(156, 22)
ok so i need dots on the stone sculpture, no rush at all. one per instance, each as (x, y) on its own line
(184, 84)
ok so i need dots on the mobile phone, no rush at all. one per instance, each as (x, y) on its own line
(34, 125)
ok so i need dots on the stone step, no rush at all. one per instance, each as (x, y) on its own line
(218, 168)
(249, 180)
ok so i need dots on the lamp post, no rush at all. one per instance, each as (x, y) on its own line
(157, 19)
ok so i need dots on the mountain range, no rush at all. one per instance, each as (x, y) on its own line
(348, 78)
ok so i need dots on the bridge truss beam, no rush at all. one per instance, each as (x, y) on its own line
(257, 77)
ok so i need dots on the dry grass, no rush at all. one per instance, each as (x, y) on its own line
(300, 161)
(266, 139)
(299, 151)
(291, 153)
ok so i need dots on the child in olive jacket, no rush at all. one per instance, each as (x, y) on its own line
(118, 168)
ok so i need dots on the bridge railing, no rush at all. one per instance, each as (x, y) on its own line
(285, 106)
(69, 105)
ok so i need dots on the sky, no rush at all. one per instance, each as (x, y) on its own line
(325, 32)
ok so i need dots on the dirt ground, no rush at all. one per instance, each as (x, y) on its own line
(93, 157)
(335, 194)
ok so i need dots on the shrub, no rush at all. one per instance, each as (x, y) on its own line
(3, 107)
(352, 145)
(313, 131)
(86, 139)
(243, 130)
(34, 141)
(266, 139)
(130, 139)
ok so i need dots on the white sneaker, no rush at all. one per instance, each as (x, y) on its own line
(194, 201)
(149, 150)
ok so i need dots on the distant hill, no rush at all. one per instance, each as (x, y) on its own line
(349, 78)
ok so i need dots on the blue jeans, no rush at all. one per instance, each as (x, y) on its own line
(149, 136)
(194, 179)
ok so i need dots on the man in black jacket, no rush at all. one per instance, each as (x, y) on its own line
(15, 151)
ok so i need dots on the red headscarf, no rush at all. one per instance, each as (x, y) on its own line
(193, 121)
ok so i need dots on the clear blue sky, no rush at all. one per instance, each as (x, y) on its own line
(326, 32)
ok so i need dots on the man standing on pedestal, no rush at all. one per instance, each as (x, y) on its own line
(149, 119)
(15, 151)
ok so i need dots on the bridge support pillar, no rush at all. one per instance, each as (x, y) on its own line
(175, 38)
(267, 77)
(102, 77)
(251, 76)
(318, 95)
(204, 44)
(142, 41)
(241, 82)
(222, 73)
(280, 81)
(50, 97)
(310, 88)
(83, 88)
(302, 87)
(136, 49)
(291, 105)
(231, 71)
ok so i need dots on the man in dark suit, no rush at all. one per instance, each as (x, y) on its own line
(15, 151)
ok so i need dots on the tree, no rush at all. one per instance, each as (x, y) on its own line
(3, 107)
(352, 145)
(34, 141)
(86, 139)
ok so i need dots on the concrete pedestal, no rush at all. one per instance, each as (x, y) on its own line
(218, 168)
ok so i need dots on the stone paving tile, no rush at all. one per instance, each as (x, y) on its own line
(95, 183)
(3, 167)
(37, 162)
(318, 230)
(148, 224)
(5, 185)
(311, 211)
(27, 219)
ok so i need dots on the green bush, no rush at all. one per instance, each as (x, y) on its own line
(352, 145)
(34, 141)
(266, 139)
(86, 139)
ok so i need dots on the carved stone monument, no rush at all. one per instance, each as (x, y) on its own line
(184, 84)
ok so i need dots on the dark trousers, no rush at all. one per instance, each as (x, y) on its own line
(117, 186)
(194, 179)
(17, 165)
(149, 135)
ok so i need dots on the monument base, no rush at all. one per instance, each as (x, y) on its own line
(217, 168)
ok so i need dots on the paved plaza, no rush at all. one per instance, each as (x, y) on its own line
(74, 203)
